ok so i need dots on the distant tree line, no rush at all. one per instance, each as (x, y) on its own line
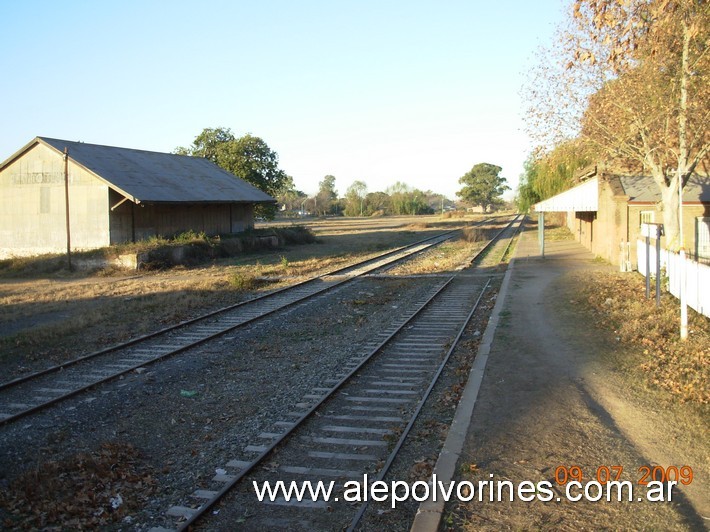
(482, 186)
(397, 199)
(251, 159)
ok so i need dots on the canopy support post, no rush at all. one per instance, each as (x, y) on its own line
(541, 232)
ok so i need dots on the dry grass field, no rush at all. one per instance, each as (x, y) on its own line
(640, 369)
(47, 318)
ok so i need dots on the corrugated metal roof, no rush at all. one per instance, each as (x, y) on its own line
(643, 189)
(154, 177)
(582, 198)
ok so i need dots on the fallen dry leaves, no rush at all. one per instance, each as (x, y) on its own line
(87, 490)
(680, 367)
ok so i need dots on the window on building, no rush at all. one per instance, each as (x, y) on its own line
(702, 237)
(647, 217)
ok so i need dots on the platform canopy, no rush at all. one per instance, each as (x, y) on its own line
(582, 198)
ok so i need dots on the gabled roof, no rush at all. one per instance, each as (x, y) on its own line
(643, 189)
(155, 177)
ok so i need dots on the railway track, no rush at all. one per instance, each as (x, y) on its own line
(351, 427)
(35, 392)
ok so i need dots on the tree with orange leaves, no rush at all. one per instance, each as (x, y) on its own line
(631, 78)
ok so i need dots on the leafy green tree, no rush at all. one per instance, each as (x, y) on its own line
(547, 174)
(247, 157)
(327, 186)
(287, 186)
(355, 199)
(208, 143)
(406, 200)
(327, 196)
(526, 195)
(418, 203)
(482, 185)
(377, 203)
(398, 197)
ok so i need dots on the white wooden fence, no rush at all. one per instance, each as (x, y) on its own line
(697, 276)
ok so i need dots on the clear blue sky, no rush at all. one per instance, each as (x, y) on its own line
(380, 91)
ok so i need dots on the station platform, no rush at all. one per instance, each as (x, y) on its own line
(540, 396)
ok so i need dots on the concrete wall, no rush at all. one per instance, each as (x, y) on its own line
(613, 223)
(32, 206)
(33, 210)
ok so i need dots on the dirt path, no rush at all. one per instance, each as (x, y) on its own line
(550, 398)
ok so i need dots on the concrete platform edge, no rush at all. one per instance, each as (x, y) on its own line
(430, 511)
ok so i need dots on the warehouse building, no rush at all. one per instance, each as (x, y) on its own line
(101, 195)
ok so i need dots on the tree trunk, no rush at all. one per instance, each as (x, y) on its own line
(683, 153)
(669, 204)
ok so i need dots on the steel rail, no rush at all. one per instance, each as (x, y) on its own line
(142, 338)
(415, 415)
(256, 461)
(515, 232)
(492, 240)
(437, 239)
(204, 508)
(400, 442)
(190, 345)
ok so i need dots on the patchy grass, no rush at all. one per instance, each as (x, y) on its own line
(41, 321)
(295, 234)
(558, 233)
(453, 214)
(247, 282)
(443, 258)
(449, 256)
(659, 358)
(418, 226)
(474, 234)
(197, 248)
(48, 318)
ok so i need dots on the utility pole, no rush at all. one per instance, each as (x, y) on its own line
(66, 204)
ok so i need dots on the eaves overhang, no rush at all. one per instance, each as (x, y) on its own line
(582, 198)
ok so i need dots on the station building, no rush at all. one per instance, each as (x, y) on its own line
(103, 195)
(605, 213)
